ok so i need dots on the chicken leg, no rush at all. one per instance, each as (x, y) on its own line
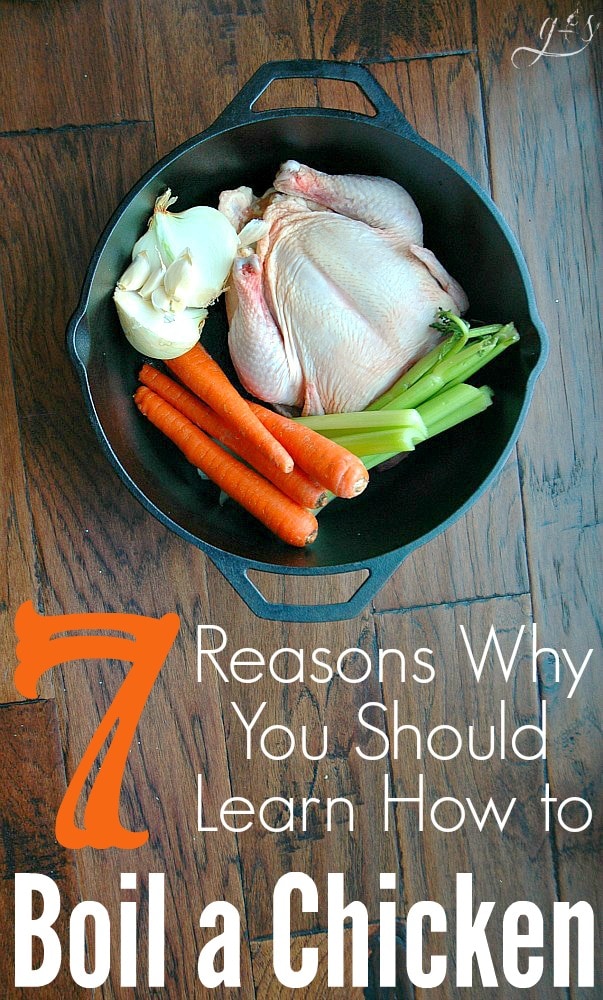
(266, 368)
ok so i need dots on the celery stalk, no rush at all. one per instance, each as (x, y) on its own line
(507, 336)
(455, 367)
(454, 405)
(484, 331)
(446, 410)
(419, 370)
(372, 460)
(448, 322)
(379, 442)
(370, 433)
(431, 397)
(331, 424)
(427, 386)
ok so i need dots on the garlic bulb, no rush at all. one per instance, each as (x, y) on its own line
(179, 266)
(155, 333)
(204, 232)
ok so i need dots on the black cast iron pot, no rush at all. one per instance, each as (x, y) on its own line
(404, 507)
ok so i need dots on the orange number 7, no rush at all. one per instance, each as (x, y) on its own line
(43, 644)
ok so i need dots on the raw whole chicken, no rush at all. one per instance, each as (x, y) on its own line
(338, 297)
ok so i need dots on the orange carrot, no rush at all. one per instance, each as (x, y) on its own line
(333, 466)
(292, 523)
(296, 484)
(207, 380)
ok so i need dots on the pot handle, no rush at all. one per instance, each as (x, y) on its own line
(240, 110)
(78, 341)
(236, 570)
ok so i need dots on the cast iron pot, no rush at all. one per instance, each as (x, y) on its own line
(404, 507)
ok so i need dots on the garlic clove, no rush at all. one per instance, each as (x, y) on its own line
(184, 283)
(153, 281)
(157, 334)
(180, 276)
(148, 240)
(252, 232)
(211, 240)
(136, 274)
(162, 301)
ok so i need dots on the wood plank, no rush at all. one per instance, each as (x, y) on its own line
(366, 31)
(266, 855)
(178, 735)
(102, 552)
(33, 784)
(17, 545)
(80, 64)
(232, 40)
(45, 223)
(556, 209)
(431, 858)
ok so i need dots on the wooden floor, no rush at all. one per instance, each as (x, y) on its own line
(93, 93)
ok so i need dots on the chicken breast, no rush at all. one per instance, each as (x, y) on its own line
(338, 297)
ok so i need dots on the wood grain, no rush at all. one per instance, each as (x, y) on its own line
(30, 752)
(48, 236)
(17, 547)
(105, 554)
(76, 540)
(555, 215)
(71, 63)
(230, 41)
(366, 31)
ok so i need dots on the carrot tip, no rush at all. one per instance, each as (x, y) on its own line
(360, 486)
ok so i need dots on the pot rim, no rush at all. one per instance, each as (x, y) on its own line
(239, 115)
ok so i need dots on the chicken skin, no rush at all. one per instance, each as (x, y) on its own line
(337, 300)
